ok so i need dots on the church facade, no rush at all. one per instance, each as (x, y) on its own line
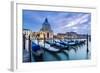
(46, 30)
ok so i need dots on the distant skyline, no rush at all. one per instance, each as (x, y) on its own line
(61, 22)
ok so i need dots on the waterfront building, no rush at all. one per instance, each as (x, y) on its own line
(71, 35)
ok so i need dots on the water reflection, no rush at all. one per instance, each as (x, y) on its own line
(58, 50)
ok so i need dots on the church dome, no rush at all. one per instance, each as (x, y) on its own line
(46, 27)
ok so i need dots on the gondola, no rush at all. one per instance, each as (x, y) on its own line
(37, 52)
(57, 45)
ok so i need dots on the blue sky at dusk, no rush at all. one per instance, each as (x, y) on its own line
(61, 22)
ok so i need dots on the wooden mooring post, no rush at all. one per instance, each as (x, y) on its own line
(30, 49)
(24, 42)
(87, 51)
(44, 40)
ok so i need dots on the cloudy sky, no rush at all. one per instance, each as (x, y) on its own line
(60, 22)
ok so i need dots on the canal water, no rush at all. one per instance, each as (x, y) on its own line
(68, 55)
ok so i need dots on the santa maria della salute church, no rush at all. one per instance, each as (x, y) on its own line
(45, 31)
